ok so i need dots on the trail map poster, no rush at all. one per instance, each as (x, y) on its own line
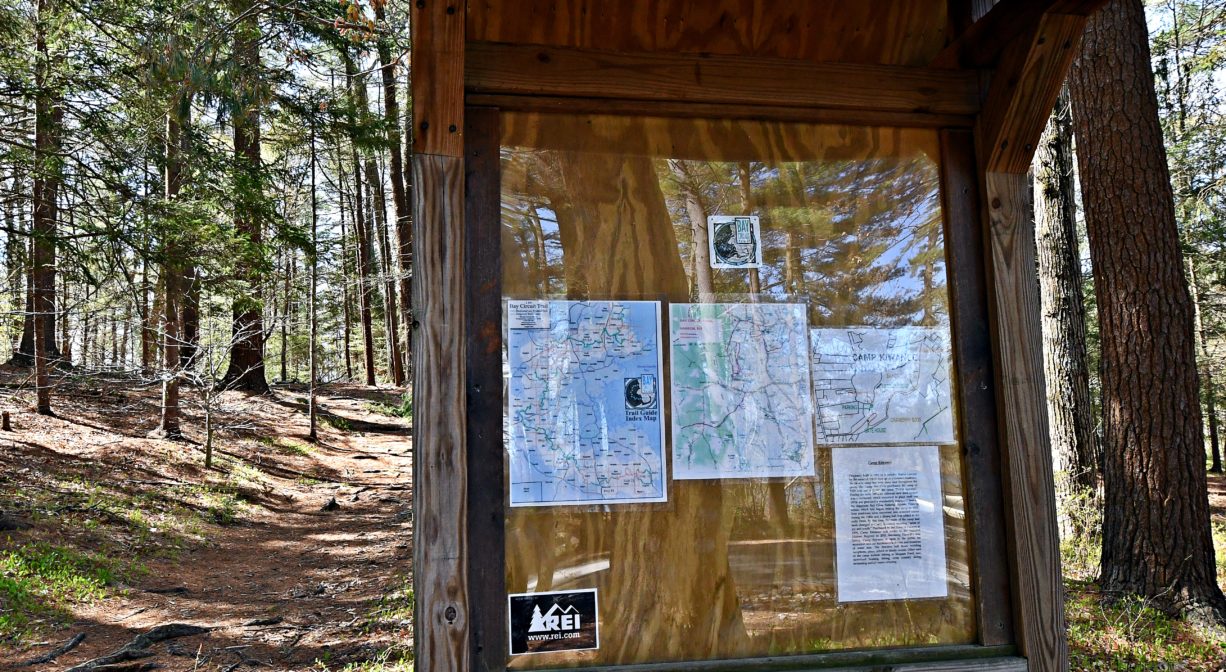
(882, 385)
(740, 391)
(583, 403)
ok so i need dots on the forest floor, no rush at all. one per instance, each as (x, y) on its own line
(1129, 634)
(294, 556)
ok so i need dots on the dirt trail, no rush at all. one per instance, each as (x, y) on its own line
(317, 569)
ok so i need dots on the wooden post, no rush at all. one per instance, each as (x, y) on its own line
(440, 417)
(1029, 485)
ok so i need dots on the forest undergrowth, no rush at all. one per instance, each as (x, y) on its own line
(1128, 634)
(286, 555)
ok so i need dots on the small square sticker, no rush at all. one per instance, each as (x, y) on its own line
(641, 393)
(735, 242)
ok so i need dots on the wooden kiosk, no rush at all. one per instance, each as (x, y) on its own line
(794, 238)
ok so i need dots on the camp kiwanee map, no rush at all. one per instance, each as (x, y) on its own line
(740, 391)
(584, 423)
(882, 385)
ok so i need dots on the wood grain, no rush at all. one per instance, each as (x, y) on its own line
(732, 140)
(891, 32)
(945, 659)
(1030, 493)
(552, 71)
(483, 368)
(594, 206)
(440, 463)
(663, 108)
(964, 244)
(1024, 90)
(982, 44)
(437, 100)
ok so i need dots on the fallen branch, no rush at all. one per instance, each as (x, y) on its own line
(138, 647)
(126, 667)
(63, 648)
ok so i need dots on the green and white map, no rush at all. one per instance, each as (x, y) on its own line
(583, 402)
(740, 391)
(882, 385)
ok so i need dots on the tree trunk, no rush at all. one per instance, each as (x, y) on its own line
(404, 230)
(313, 433)
(146, 321)
(1156, 535)
(173, 272)
(65, 334)
(246, 370)
(189, 313)
(377, 228)
(1074, 445)
(1207, 379)
(48, 121)
(345, 300)
(362, 229)
(696, 211)
(395, 365)
(17, 256)
(289, 270)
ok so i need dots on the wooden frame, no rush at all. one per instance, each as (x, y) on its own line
(990, 120)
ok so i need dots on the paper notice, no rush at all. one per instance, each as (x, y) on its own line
(889, 523)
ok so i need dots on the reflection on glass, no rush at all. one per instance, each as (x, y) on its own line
(598, 207)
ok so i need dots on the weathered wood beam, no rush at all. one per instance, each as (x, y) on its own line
(492, 68)
(1024, 90)
(968, 290)
(440, 485)
(982, 44)
(440, 476)
(437, 28)
(1029, 487)
(663, 108)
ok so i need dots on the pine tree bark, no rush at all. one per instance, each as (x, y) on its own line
(246, 368)
(1156, 535)
(312, 410)
(400, 201)
(377, 227)
(48, 121)
(147, 332)
(289, 272)
(1207, 378)
(173, 271)
(345, 300)
(361, 226)
(16, 254)
(189, 317)
(395, 363)
(1075, 453)
(696, 211)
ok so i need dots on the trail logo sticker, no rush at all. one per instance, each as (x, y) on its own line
(735, 242)
(557, 621)
(641, 392)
